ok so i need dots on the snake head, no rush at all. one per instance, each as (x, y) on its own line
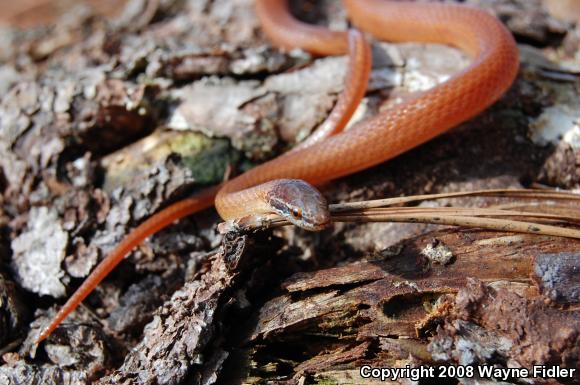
(300, 203)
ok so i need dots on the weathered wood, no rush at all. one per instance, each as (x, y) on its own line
(105, 121)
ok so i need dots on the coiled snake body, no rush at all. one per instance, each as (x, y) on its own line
(329, 153)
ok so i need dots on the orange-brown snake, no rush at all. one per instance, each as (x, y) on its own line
(330, 153)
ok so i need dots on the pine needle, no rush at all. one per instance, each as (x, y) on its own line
(566, 213)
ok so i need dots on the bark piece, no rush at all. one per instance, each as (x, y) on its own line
(557, 276)
(138, 302)
(218, 106)
(91, 86)
(21, 373)
(510, 327)
(342, 355)
(406, 294)
(526, 19)
(13, 312)
(82, 348)
(174, 341)
(39, 253)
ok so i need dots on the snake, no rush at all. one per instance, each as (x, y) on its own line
(286, 185)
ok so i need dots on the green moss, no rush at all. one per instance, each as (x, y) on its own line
(209, 163)
(207, 158)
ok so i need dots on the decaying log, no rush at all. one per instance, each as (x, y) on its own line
(103, 121)
(402, 305)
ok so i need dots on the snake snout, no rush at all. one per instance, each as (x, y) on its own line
(300, 203)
